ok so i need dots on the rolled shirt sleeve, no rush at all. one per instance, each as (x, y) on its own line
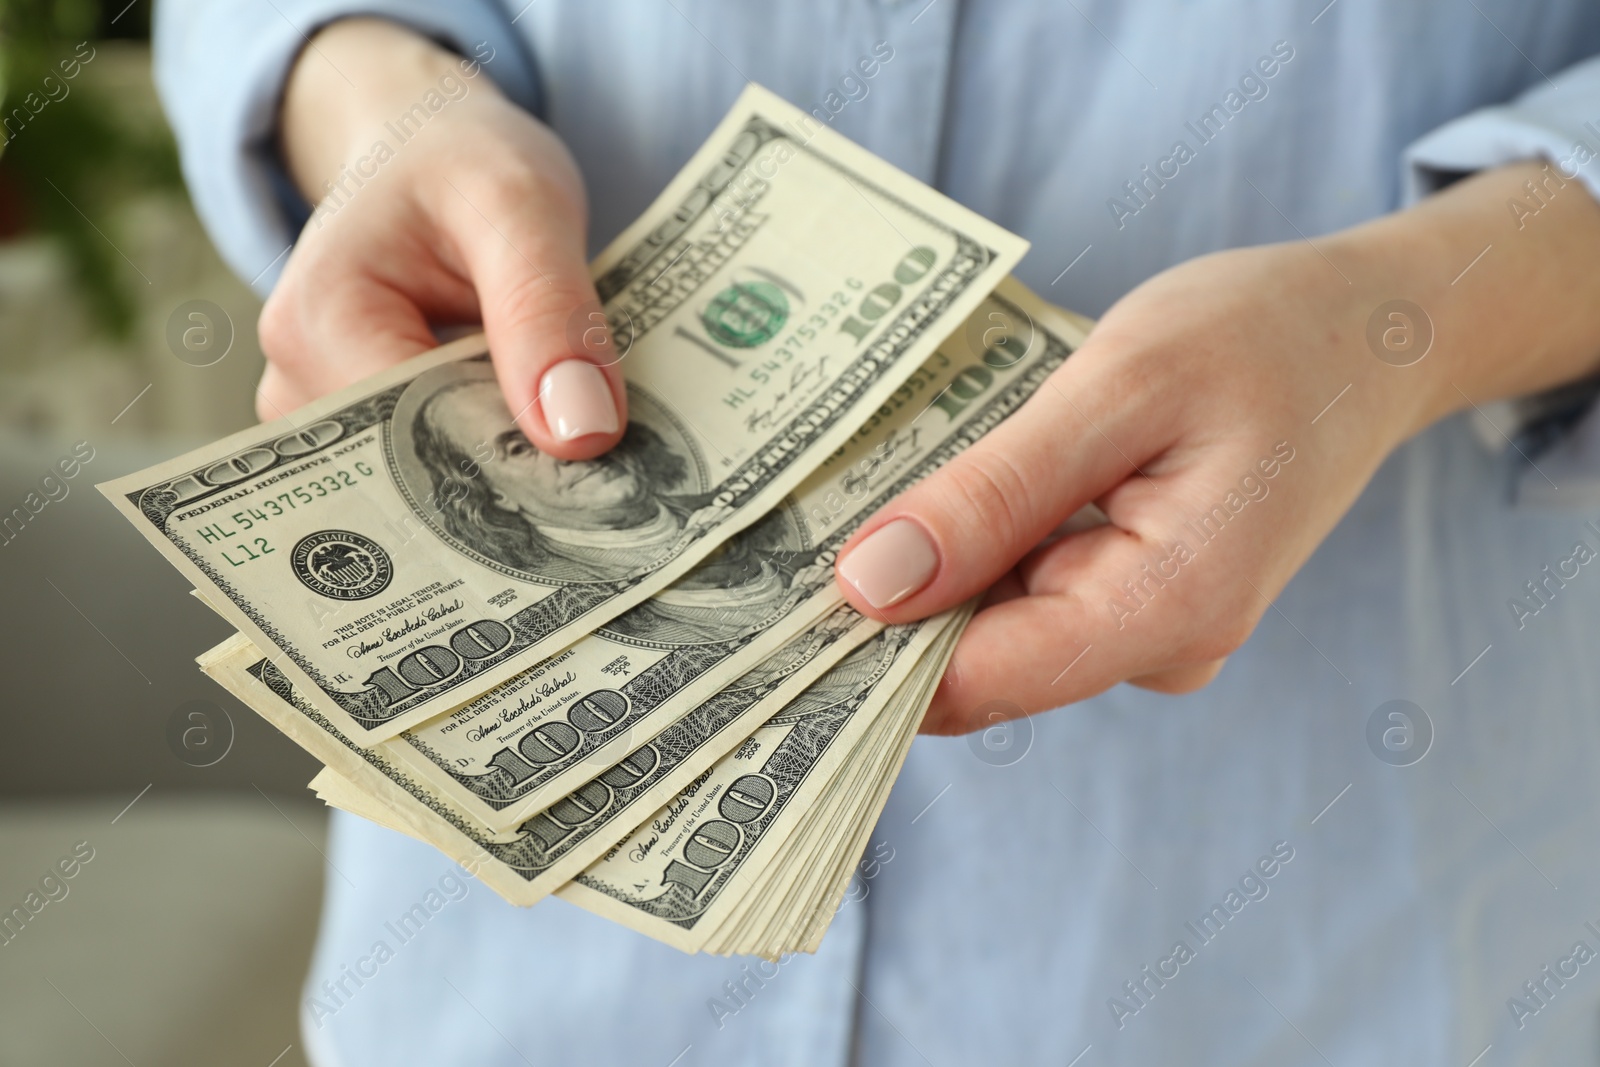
(220, 66)
(1557, 121)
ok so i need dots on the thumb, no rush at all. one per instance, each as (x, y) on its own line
(547, 336)
(952, 535)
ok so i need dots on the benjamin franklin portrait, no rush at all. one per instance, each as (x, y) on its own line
(843, 683)
(471, 470)
(735, 591)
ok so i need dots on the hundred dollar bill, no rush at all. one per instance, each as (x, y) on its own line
(531, 741)
(680, 877)
(858, 718)
(400, 548)
(533, 859)
(784, 889)
(794, 896)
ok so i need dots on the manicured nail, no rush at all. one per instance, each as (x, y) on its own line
(895, 561)
(576, 400)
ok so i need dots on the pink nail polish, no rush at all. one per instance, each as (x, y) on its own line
(897, 560)
(576, 400)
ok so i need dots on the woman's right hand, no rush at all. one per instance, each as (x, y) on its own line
(478, 216)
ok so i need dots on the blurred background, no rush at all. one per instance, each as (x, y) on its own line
(122, 337)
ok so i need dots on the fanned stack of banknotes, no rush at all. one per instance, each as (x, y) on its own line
(632, 682)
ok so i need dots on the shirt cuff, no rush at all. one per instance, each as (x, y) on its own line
(1557, 121)
(220, 67)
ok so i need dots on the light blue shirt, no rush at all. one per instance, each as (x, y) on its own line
(1031, 885)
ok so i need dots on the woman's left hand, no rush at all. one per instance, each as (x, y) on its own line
(1224, 415)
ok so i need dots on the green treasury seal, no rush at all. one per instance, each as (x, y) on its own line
(746, 314)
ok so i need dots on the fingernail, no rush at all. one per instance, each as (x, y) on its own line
(576, 400)
(896, 561)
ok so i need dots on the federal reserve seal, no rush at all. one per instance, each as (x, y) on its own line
(341, 565)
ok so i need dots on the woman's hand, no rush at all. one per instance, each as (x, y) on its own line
(478, 215)
(1224, 416)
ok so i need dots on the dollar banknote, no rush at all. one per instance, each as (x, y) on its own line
(819, 771)
(399, 549)
(785, 903)
(529, 742)
(681, 876)
(532, 860)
